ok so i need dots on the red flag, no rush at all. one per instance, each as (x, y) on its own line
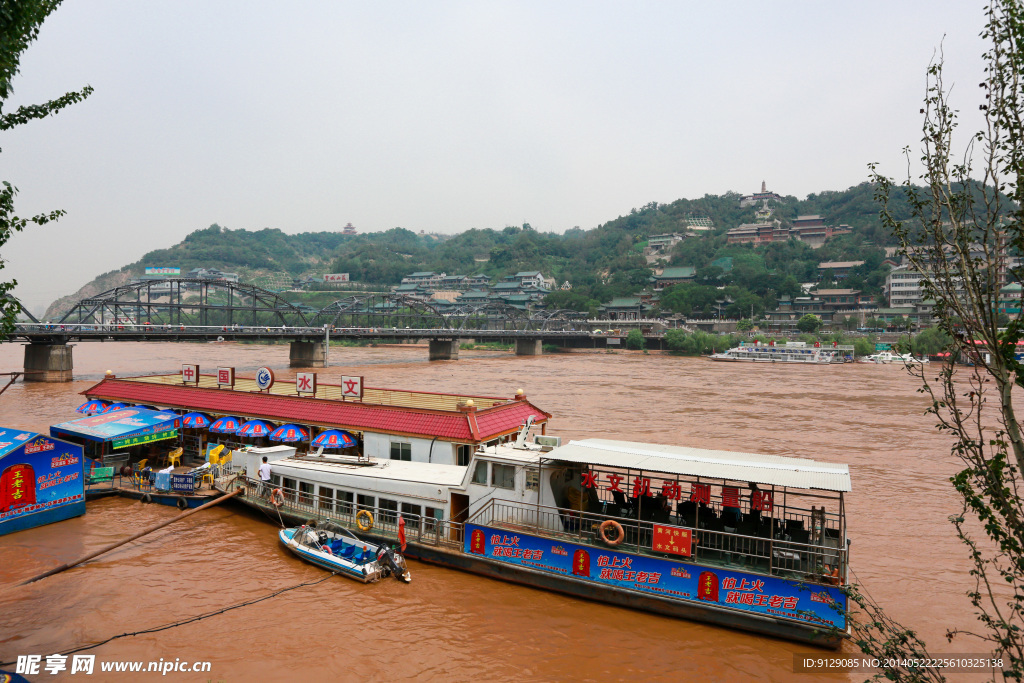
(401, 532)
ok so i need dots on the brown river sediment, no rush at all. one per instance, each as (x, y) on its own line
(448, 625)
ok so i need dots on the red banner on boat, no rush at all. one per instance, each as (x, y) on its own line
(672, 539)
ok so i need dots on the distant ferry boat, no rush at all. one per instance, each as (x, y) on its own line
(792, 352)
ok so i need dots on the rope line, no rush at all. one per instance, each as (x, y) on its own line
(198, 617)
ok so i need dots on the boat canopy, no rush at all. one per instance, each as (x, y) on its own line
(772, 470)
(125, 427)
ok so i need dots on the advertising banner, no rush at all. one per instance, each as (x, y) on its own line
(744, 591)
(336, 277)
(39, 475)
(120, 424)
(144, 438)
(163, 271)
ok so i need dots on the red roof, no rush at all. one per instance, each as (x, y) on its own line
(472, 427)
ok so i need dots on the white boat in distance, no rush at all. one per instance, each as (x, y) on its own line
(792, 352)
(886, 357)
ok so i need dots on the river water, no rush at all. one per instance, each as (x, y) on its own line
(448, 625)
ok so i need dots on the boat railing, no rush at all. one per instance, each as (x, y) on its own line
(418, 528)
(776, 555)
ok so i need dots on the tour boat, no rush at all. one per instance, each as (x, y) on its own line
(748, 541)
(336, 549)
(887, 357)
(791, 352)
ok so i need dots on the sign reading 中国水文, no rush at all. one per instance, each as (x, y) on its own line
(305, 383)
(264, 378)
(351, 386)
(130, 441)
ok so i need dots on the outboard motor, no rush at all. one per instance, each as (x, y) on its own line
(393, 564)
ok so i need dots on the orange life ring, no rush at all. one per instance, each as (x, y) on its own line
(612, 524)
(277, 498)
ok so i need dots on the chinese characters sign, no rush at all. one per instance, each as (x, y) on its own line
(130, 441)
(336, 277)
(183, 483)
(351, 387)
(671, 539)
(41, 481)
(225, 377)
(190, 374)
(305, 383)
(685, 582)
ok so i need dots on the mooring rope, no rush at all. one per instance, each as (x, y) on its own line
(191, 619)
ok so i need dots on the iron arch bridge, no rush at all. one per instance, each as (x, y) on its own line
(173, 304)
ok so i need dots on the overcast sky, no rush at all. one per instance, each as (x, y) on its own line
(444, 116)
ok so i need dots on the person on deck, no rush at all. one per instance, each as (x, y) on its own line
(264, 477)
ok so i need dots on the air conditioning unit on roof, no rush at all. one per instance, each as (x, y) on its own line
(544, 440)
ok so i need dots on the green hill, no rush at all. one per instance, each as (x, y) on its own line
(601, 263)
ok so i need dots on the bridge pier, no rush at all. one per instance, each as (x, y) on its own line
(48, 363)
(306, 354)
(444, 349)
(528, 347)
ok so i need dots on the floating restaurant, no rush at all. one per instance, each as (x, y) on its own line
(742, 540)
(428, 427)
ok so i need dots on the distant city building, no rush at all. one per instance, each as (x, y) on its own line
(840, 269)
(211, 274)
(903, 287)
(758, 233)
(698, 223)
(839, 299)
(626, 308)
(673, 276)
(349, 229)
(662, 244)
(764, 196)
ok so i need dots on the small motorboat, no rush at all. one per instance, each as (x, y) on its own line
(335, 548)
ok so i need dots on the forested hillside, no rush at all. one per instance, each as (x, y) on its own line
(600, 263)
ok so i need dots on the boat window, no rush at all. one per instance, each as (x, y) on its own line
(344, 502)
(365, 502)
(275, 479)
(388, 510)
(503, 476)
(401, 451)
(410, 509)
(306, 492)
(326, 498)
(480, 472)
(463, 452)
(289, 488)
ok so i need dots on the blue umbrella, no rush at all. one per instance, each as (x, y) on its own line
(254, 428)
(114, 406)
(226, 425)
(147, 407)
(195, 420)
(93, 406)
(288, 433)
(334, 438)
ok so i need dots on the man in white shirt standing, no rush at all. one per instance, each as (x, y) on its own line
(265, 477)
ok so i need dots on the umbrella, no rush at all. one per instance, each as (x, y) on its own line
(226, 425)
(114, 406)
(196, 420)
(93, 406)
(254, 428)
(289, 433)
(334, 438)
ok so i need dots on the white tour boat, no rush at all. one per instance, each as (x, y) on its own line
(791, 352)
(756, 542)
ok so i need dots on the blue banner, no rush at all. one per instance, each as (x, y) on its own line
(38, 475)
(745, 591)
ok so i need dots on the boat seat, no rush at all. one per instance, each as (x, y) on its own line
(348, 552)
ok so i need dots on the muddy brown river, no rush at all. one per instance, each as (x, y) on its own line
(448, 625)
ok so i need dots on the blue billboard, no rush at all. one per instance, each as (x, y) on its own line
(770, 596)
(42, 480)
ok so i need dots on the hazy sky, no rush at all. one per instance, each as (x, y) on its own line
(444, 116)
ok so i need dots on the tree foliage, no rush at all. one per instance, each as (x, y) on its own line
(965, 220)
(19, 26)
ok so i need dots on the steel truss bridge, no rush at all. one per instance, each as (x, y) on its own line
(191, 310)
